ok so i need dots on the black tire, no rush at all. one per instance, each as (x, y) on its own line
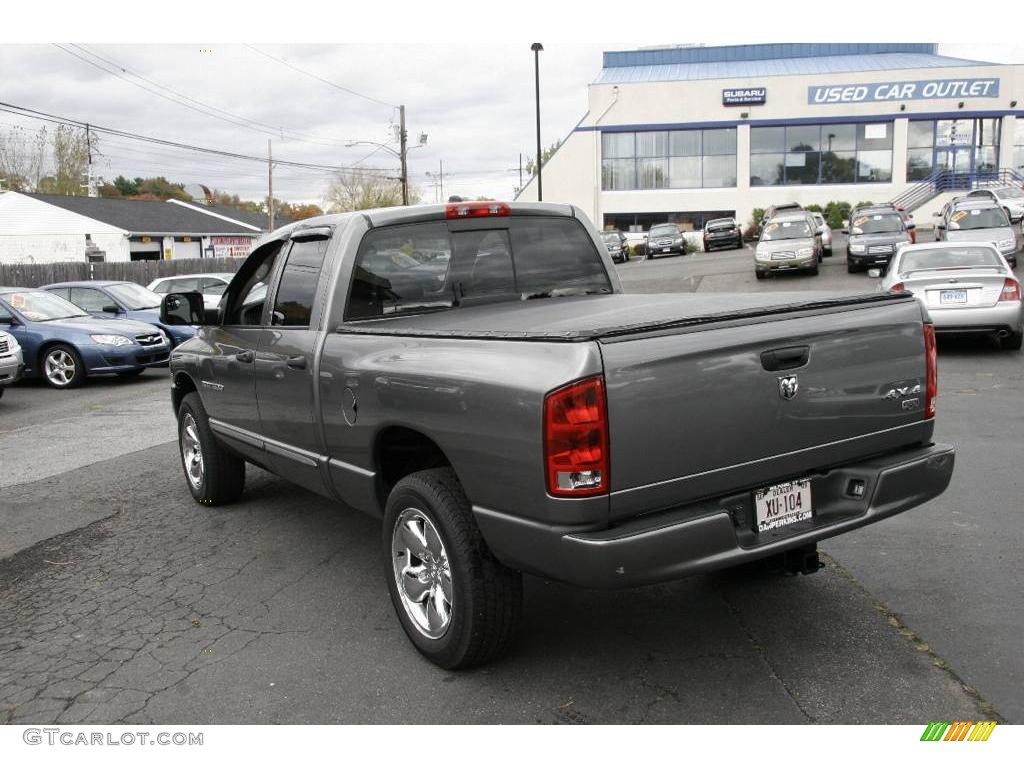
(2, 391)
(851, 268)
(814, 270)
(760, 275)
(1012, 342)
(827, 252)
(130, 374)
(739, 242)
(62, 352)
(222, 473)
(486, 604)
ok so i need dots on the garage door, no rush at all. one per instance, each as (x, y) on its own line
(183, 250)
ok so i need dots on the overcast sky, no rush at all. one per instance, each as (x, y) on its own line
(474, 102)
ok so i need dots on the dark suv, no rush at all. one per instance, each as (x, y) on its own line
(617, 245)
(722, 232)
(875, 235)
(665, 240)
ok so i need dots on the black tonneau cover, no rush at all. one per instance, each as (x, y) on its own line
(589, 318)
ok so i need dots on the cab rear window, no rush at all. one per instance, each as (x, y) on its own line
(431, 266)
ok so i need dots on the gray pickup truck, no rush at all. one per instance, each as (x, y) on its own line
(474, 375)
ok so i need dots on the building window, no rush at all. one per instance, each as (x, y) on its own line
(669, 159)
(829, 153)
(920, 149)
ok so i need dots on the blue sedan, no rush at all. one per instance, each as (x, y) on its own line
(64, 344)
(115, 299)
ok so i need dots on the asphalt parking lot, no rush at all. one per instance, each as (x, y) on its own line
(123, 601)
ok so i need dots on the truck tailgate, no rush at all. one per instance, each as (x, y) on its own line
(703, 411)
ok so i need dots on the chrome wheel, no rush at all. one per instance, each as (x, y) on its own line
(422, 573)
(60, 367)
(191, 451)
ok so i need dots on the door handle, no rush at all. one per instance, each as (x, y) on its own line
(785, 358)
(245, 357)
(297, 361)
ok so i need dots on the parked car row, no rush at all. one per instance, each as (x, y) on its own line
(66, 332)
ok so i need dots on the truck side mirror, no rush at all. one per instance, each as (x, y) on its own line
(183, 309)
(111, 309)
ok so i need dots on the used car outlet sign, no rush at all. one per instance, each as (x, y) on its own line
(739, 96)
(904, 90)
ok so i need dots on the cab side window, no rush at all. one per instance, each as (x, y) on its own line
(245, 302)
(296, 291)
(90, 299)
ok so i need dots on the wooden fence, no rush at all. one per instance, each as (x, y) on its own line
(141, 272)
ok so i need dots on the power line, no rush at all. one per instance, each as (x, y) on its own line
(181, 99)
(321, 79)
(14, 109)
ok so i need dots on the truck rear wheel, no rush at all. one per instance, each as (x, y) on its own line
(459, 606)
(214, 474)
(1013, 341)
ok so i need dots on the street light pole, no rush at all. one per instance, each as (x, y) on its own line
(402, 138)
(537, 48)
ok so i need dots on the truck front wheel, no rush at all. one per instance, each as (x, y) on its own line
(459, 606)
(214, 474)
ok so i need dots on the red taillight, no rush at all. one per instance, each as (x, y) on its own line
(931, 371)
(576, 439)
(897, 287)
(476, 209)
(1011, 290)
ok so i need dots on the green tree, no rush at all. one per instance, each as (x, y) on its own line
(545, 155)
(127, 187)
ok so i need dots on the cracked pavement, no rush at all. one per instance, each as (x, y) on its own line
(122, 601)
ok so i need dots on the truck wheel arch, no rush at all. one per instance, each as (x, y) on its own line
(400, 451)
(183, 384)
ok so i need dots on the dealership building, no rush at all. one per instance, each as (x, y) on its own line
(684, 134)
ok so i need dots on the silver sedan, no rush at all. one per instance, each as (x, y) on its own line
(967, 287)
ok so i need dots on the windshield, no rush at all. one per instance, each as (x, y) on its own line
(876, 223)
(949, 258)
(786, 230)
(610, 237)
(978, 218)
(664, 230)
(721, 224)
(40, 306)
(134, 296)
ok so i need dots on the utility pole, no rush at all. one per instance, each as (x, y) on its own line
(537, 48)
(270, 184)
(440, 170)
(402, 141)
(90, 180)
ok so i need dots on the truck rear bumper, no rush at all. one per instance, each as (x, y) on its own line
(717, 534)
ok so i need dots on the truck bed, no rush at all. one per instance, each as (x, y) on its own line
(590, 318)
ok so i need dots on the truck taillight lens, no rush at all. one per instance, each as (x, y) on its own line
(576, 439)
(897, 287)
(476, 209)
(1011, 290)
(931, 371)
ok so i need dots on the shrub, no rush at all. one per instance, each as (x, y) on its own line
(814, 208)
(835, 213)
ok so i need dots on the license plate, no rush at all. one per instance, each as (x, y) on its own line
(665, 250)
(953, 297)
(783, 504)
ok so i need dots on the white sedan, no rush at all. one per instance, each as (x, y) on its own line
(966, 288)
(211, 284)
(825, 231)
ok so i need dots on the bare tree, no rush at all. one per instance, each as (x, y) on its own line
(22, 157)
(357, 190)
(70, 162)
